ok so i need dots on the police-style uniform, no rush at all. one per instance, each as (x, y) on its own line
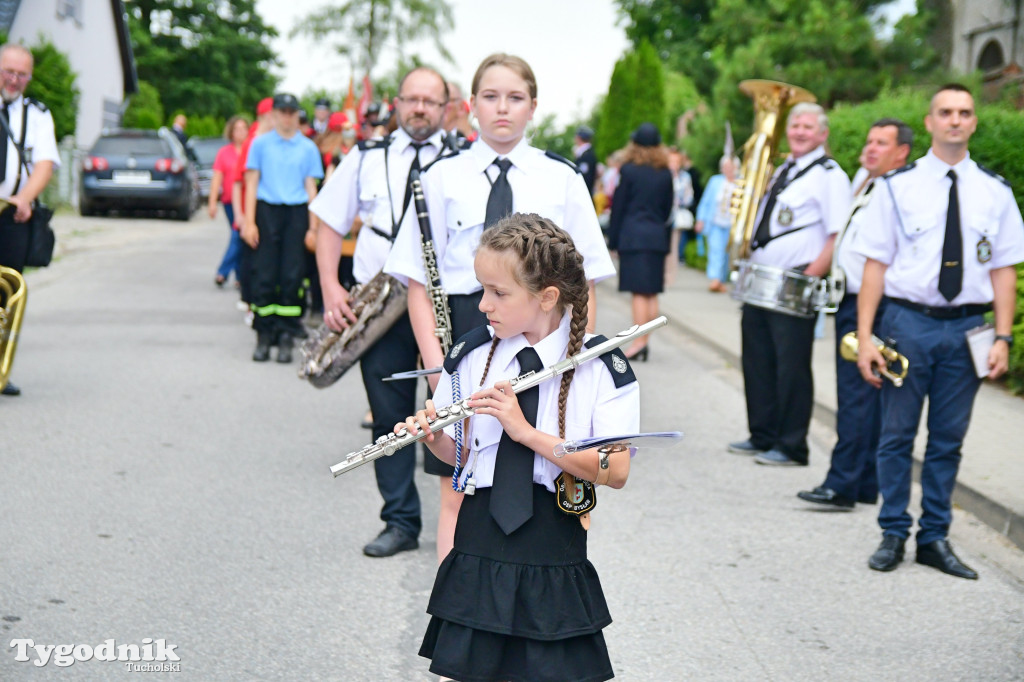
(904, 228)
(527, 605)
(456, 191)
(40, 144)
(282, 206)
(852, 472)
(777, 377)
(371, 183)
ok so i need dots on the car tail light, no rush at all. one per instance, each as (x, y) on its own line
(169, 165)
(95, 163)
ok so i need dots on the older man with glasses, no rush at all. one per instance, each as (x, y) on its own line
(27, 158)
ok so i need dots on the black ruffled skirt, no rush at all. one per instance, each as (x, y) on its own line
(523, 607)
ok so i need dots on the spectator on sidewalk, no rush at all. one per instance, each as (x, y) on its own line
(221, 188)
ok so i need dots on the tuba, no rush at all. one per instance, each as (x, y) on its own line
(13, 295)
(785, 291)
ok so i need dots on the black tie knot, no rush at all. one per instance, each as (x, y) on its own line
(529, 361)
(503, 164)
(951, 175)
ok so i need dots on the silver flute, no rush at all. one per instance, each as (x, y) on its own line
(393, 442)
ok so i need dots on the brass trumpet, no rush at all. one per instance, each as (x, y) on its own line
(849, 349)
(13, 295)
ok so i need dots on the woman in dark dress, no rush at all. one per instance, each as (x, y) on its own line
(640, 227)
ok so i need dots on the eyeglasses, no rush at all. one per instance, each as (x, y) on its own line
(15, 75)
(419, 101)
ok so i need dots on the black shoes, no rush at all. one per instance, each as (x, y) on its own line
(640, 355)
(889, 554)
(284, 348)
(827, 497)
(262, 352)
(744, 447)
(11, 389)
(940, 555)
(391, 541)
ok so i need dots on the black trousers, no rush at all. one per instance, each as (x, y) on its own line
(777, 379)
(13, 241)
(852, 473)
(391, 402)
(278, 267)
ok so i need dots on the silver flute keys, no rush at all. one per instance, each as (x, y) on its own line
(392, 442)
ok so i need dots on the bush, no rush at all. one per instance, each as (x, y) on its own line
(53, 84)
(144, 109)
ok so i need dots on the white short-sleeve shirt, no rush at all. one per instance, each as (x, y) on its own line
(40, 142)
(370, 183)
(595, 406)
(905, 226)
(456, 192)
(809, 209)
(851, 262)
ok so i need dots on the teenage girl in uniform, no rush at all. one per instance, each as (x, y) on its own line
(521, 601)
(465, 194)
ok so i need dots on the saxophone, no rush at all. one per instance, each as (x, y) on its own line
(438, 297)
(391, 443)
(13, 295)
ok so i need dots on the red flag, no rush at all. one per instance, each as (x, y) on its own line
(365, 98)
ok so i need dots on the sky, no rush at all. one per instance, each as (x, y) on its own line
(572, 46)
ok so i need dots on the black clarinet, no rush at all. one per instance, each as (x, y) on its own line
(439, 299)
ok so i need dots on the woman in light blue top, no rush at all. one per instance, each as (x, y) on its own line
(714, 221)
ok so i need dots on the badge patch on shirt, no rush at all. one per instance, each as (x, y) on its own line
(456, 350)
(786, 216)
(575, 496)
(619, 365)
(984, 250)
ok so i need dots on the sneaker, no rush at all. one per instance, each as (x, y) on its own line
(744, 447)
(777, 458)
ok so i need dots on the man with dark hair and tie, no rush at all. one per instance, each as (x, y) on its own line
(21, 180)
(941, 265)
(852, 477)
(372, 183)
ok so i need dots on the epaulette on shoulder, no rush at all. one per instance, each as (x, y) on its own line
(995, 175)
(615, 359)
(374, 143)
(558, 157)
(39, 105)
(901, 169)
(448, 153)
(470, 340)
(829, 164)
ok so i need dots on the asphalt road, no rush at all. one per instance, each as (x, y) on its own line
(156, 483)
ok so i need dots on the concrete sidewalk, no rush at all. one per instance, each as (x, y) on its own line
(991, 480)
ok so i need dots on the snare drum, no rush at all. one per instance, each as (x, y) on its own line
(785, 291)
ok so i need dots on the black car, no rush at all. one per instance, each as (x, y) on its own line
(138, 169)
(204, 152)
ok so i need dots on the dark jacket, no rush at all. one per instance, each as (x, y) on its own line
(587, 163)
(641, 210)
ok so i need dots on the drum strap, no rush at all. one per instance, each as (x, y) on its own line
(821, 160)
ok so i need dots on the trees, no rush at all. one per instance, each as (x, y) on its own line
(206, 57)
(636, 94)
(53, 84)
(362, 28)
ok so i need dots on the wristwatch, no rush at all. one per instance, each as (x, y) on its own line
(1008, 338)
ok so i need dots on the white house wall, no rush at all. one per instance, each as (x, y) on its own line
(91, 47)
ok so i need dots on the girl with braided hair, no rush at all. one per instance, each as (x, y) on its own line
(519, 600)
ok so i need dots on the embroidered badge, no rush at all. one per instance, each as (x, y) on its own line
(456, 349)
(576, 499)
(984, 250)
(619, 364)
(786, 216)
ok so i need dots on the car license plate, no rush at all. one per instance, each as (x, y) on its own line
(132, 177)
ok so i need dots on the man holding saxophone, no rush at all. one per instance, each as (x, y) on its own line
(806, 204)
(373, 183)
(21, 180)
(942, 237)
(851, 477)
